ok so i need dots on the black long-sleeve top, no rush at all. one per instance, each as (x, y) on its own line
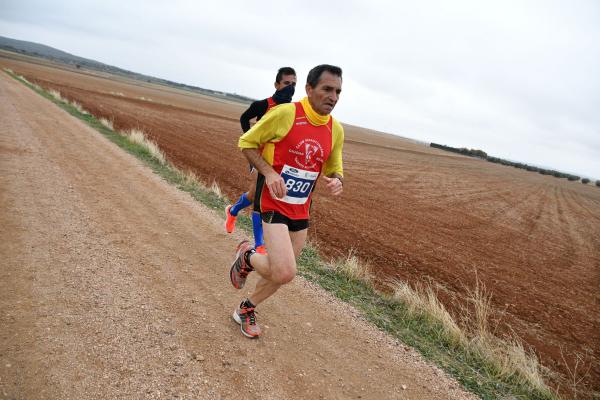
(256, 110)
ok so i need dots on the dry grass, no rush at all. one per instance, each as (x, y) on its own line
(508, 356)
(423, 300)
(79, 108)
(577, 371)
(352, 266)
(191, 179)
(107, 123)
(23, 79)
(56, 94)
(34, 85)
(214, 187)
(137, 136)
(510, 359)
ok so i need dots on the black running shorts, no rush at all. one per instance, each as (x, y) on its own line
(294, 225)
(260, 181)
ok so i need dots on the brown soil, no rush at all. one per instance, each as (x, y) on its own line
(412, 212)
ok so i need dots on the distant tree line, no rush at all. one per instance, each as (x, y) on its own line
(483, 155)
(463, 150)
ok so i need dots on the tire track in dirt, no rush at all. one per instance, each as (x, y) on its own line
(517, 210)
(533, 222)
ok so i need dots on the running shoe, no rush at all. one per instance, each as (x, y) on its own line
(229, 220)
(240, 269)
(261, 249)
(246, 317)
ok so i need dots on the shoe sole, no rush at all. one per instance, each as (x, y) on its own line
(237, 319)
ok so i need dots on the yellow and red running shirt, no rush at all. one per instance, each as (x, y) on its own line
(300, 145)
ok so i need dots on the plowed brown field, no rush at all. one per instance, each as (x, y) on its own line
(412, 212)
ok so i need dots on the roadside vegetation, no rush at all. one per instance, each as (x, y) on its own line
(464, 346)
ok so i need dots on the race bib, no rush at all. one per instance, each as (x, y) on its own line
(299, 184)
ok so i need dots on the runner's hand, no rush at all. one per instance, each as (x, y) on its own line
(335, 185)
(276, 185)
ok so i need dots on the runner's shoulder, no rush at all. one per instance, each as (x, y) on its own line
(336, 127)
(259, 106)
(336, 124)
(285, 108)
(282, 111)
(263, 102)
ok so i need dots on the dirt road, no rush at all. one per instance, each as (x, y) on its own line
(114, 285)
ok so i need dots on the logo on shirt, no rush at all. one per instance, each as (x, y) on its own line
(301, 121)
(308, 152)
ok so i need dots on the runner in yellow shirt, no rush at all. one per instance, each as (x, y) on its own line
(301, 142)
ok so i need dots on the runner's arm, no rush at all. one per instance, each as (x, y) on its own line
(270, 129)
(256, 110)
(273, 180)
(333, 171)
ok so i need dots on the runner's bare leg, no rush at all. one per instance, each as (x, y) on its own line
(279, 266)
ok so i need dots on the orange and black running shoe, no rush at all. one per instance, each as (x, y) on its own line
(229, 220)
(240, 269)
(246, 317)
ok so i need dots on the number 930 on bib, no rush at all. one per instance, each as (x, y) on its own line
(299, 184)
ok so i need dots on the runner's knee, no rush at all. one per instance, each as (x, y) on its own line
(284, 273)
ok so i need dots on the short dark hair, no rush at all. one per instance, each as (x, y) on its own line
(314, 76)
(284, 71)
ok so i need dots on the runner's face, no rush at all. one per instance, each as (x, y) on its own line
(326, 94)
(286, 80)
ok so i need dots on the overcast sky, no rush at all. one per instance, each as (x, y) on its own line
(517, 79)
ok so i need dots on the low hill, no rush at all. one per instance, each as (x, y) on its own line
(56, 55)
